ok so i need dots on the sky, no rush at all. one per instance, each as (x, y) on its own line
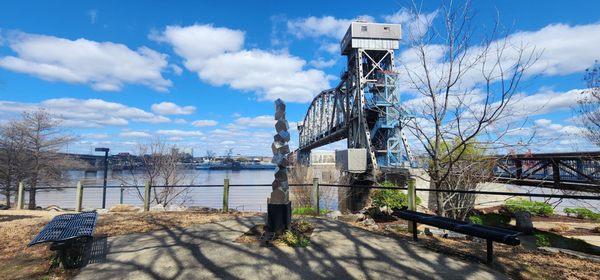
(204, 74)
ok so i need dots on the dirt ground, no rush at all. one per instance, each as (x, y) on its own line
(18, 227)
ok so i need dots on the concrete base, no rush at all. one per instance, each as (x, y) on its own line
(279, 217)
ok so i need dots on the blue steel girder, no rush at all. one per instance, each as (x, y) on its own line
(365, 106)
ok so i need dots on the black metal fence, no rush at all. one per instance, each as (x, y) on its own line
(228, 196)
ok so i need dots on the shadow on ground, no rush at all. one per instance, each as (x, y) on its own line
(208, 251)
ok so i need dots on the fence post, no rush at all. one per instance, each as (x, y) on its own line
(21, 196)
(121, 196)
(79, 196)
(315, 196)
(147, 197)
(412, 200)
(225, 195)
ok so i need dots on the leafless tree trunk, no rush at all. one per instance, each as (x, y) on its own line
(464, 87)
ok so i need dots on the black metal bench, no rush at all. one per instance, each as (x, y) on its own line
(70, 234)
(491, 234)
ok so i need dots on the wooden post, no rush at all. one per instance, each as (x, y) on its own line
(21, 196)
(147, 197)
(79, 196)
(412, 202)
(315, 196)
(121, 196)
(226, 195)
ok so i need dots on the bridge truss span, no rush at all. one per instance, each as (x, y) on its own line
(364, 107)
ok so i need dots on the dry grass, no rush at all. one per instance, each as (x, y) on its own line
(518, 262)
(17, 228)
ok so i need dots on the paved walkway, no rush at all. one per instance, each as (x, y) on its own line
(337, 251)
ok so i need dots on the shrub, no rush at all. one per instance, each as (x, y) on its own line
(491, 219)
(295, 240)
(307, 210)
(393, 199)
(541, 240)
(476, 219)
(535, 208)
(582, 213)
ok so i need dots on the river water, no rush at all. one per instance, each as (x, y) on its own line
(243, 198)
(249, 198)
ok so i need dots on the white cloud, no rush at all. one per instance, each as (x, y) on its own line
(176, 69)
(321, 63)
(105, 66)
(565, 49)
(332, 48)
(271, 75)
(201, 123)
(562, 50)
(179, 133)
(84, 112)
(326, 26)
(96, 136)
(414, 25)
(135, 134)
(170, 108)
(216, 54)
(93, 14)
(196, 43)
(545, 102)
(260, 121)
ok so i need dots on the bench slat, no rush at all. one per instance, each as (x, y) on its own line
(67, 226)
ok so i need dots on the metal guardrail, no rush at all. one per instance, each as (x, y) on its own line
(315, 186)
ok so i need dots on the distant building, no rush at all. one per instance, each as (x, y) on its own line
(322, 158)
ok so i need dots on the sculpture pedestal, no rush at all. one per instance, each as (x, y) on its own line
(279, 217)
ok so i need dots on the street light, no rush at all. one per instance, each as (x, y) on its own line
(105, 150)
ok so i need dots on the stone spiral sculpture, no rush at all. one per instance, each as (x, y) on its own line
(279, 210)
(281, 149)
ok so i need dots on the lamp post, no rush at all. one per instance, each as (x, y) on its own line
(105, 150)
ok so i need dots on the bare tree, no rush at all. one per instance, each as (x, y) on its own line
(210, 155)
(30, 151)
(13, 158)
(589, 104)
(45, 139)
(464, 86)
(159, 165)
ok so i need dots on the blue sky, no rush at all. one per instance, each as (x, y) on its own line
(203, 74)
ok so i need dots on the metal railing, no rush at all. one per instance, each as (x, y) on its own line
(315, 192)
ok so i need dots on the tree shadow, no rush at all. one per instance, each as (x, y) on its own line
(337, 251)
(9, 218)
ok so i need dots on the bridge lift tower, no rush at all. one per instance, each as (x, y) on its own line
(364, 108)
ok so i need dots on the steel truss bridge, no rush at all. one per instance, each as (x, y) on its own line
(364, 107)
(578, 171)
